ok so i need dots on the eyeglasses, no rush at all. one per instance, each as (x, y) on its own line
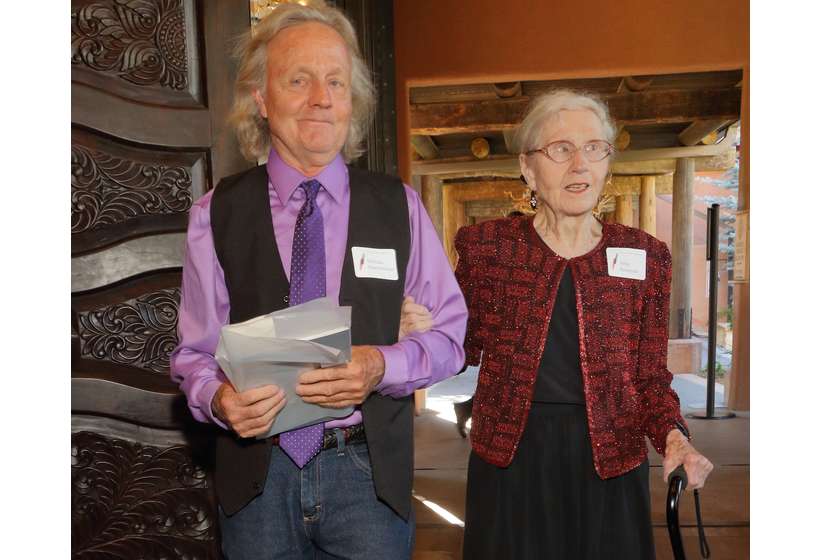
(562, 151)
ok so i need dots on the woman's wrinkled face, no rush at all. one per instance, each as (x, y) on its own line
(571, 188)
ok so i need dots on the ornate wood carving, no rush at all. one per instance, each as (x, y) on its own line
(139, 45)
(139, 42)
(139, 332)
(134, 501)
(118, 191)
(106, 189)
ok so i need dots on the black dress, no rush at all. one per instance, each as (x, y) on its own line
(549, 503)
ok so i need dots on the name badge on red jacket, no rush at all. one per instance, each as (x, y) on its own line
(625, 262)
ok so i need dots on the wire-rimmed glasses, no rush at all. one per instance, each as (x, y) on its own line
(561, 151)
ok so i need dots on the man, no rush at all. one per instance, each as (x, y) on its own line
(284, 233)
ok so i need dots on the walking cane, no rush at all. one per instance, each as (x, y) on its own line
(678, 482)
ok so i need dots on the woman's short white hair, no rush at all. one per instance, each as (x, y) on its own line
(251, 129)
(546, 106)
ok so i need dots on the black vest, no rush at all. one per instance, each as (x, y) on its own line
(246, 248)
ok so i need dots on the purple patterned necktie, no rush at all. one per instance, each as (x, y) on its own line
(307, 282)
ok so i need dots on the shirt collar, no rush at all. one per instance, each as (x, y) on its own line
(285, 179)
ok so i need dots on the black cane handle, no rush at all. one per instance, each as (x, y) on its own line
(678, 481)
(680, 473)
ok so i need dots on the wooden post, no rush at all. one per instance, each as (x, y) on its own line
(623, 209)
(680, 312)
(738, 386)
(647, 215)
(431, 197)
(420, 400)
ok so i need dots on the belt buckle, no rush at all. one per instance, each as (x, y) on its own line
(348, 433)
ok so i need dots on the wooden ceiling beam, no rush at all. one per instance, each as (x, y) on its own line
(666, 153)
(631, 184)
(634, 84)
(633, 162)
(721, 162)
(647, 107)
(469, 191)
(493, 190)
(514, 174)
(486, 167)
(452, 94)
(701, 130)
(425, 146)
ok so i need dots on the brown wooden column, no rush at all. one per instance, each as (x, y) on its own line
(680, 312)
(431, 197)
(647, 214)
(738, 386)
(623, 209)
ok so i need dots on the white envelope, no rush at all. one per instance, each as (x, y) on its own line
(276, 348)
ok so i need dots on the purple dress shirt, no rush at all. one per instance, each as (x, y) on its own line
(417, 361)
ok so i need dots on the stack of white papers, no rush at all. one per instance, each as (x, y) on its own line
(276, 348)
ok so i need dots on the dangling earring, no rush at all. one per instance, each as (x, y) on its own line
(533, 200)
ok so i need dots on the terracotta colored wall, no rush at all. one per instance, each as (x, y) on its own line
(452, 41)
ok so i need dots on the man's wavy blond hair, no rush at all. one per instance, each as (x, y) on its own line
(251, 128)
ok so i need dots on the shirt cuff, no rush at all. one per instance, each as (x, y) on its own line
(395, 367)
(206, 395)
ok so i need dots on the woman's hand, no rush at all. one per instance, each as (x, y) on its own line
(414, 318)
(680, 452)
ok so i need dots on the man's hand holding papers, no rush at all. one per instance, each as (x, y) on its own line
(343, 385)
(249, 413)
(305, 350)
(263, 358)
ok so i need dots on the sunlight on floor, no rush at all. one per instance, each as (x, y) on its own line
(443, 406)
(440, 511)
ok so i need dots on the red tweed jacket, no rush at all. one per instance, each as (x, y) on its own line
(510, 279)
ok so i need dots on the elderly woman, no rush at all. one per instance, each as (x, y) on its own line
(570, 315)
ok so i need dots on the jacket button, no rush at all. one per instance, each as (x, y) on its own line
(285, 299)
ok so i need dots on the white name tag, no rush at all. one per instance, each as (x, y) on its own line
(375, 263)
(625, 262)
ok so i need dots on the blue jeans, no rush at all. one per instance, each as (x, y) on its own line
(329, 509)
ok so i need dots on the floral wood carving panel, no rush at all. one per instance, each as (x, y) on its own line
(139, 332)
(134, 501)
(106, 189)
(119, 191)
(139, 48)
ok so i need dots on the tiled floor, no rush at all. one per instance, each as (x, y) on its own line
(440, 480)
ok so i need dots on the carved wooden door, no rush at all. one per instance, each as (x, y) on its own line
(151, 87)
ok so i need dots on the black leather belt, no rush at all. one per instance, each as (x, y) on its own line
(352, 434)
